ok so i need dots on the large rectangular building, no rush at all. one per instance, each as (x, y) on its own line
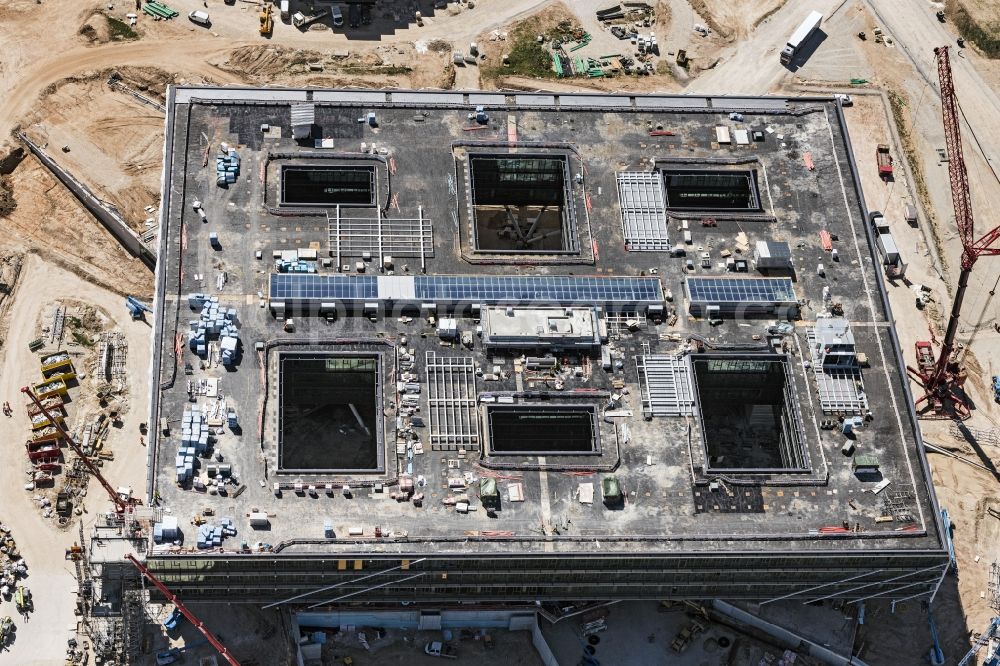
(496, 347)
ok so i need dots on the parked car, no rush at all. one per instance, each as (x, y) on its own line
(338, 16)
(173, 620)
(439, 649)
(168, 656)
(200, 17)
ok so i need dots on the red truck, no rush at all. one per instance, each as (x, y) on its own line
(925, 357)
(884, 162)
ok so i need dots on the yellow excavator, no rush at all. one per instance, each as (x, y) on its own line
(266, 20)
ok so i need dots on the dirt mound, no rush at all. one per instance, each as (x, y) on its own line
(7, 202)
(385, 66)
(439, 46)
(99, 28)
(150, 81)
(260, 61)
(731, 20)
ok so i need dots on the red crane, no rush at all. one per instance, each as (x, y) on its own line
(192, 618)
(942, 382)
(122, 504)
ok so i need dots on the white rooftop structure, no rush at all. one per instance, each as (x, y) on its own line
(541, 327)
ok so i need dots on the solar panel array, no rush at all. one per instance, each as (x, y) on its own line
(323, 287)
(484, 289)
(515, 289)
(741, 290)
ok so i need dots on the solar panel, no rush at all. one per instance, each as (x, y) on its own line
(528, 289)
(323, 287)
(741, 290)
(484, 289)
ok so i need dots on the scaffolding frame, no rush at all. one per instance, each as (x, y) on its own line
(451, 402)
(665, 385)
(644, 211)
(838, 389)
(379, 236)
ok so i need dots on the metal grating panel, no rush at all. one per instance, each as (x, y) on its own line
(451, 402)
(644, 217)
(741, 290)
(665, 385)
(352, 237)
(840, 391)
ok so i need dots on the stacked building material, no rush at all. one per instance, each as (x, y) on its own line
(227, 166)
(194, 440)
(158, 10)
(300, 266)
(211, 536)
(194, 430)
(166, 531)
(215, 322)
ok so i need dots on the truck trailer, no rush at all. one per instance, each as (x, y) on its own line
(799, 37)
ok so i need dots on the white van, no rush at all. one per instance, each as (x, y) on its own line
(338, 16)
(200, 17)
(284, 11)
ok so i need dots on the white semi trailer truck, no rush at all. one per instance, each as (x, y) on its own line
(799, 37)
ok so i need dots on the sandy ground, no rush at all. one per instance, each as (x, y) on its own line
(42, 640)
(51, 223)
(115, 142)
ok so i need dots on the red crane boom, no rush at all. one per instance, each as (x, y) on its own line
(943, 384)
(122, 504)
(192, 618)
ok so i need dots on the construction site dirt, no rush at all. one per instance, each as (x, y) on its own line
(59, 96)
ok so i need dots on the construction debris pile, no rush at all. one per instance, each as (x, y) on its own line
(13, 569)
(42, 447)
(48, 420)
(628, 24)
(13, 566)
(111, 362)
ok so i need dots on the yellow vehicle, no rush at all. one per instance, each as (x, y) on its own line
(22, 598)
(266, 20)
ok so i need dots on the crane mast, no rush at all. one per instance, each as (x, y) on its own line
(122, 504)
(192, 618)
(942, 382)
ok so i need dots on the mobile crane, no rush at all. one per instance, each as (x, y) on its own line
(942, 383)
(123, 501)
(192, 618)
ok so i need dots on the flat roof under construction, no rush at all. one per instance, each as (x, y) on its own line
(407, 283)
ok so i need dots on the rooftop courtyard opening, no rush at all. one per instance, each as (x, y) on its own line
(749, 415)
(327, 185)
(721, 190)
(542, 430)
(329, 412)
(521, 204)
